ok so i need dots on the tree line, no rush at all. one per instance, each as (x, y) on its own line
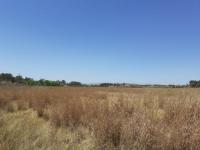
(6, 78)
(194, 84)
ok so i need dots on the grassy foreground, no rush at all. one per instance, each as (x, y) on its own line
(40, 118)
(23, 130)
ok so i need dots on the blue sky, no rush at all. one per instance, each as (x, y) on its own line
(136, 41)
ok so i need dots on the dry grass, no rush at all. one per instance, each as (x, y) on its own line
(23, 130)
(109, 118)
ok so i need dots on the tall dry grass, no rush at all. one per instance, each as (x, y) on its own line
(116, 118)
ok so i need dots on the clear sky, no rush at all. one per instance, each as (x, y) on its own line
(136, 41)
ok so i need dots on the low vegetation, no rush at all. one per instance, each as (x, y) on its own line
(99, 118)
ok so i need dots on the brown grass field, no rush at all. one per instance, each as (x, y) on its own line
(60, 118)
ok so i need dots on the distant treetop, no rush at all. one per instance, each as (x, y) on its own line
(9, 78)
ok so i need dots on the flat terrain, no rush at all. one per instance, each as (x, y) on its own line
(59, 118)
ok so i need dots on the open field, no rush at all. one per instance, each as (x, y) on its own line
(34, 118)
